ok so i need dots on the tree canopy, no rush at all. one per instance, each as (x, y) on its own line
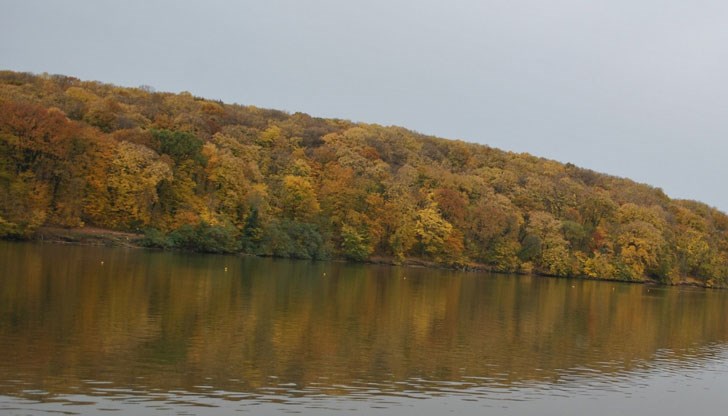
(199, 174)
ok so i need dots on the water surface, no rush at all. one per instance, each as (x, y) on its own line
(89, 330)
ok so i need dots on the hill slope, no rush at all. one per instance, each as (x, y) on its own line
(199, 174)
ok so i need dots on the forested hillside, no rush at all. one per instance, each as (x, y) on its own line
(198, 174)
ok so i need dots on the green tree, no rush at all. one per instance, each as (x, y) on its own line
(179, 145)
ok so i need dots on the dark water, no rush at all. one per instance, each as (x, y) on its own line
(113, 331)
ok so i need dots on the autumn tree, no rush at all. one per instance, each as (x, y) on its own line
(134, 175)
(198, 174)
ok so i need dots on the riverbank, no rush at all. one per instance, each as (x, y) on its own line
(88, 236)
(91, 236)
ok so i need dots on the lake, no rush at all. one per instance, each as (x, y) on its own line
(93, 330)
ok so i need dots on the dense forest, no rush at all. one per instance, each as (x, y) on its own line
(198, 174)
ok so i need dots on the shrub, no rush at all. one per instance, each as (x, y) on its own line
(205, 238)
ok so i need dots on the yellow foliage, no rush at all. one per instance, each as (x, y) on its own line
(432, 230)
(599, 266)
(302, 185)
(640, 247)
(299, 198)
(82, 94)
(134, 174)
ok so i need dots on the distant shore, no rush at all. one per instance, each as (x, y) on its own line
(92, 236)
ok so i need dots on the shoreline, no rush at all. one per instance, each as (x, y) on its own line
(87, 236)
(92, 236)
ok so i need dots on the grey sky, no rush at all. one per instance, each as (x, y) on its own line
(635, 88)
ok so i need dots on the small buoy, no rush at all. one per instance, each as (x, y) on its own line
(324, 274)
(573, 286)
(102, 262)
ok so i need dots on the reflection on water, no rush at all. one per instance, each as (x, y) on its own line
(87, 330)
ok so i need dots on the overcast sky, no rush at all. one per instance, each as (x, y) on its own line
(634, 88)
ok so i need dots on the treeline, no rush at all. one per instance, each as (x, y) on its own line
(198, 174)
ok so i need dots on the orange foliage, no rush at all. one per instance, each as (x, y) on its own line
(74, 153)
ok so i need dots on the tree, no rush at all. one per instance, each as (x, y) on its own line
(432, 231)
(299, 201)
(354, 246)
(553, 257)
(134, 175)
(180, 145)
(75, 153)
(227, 183)
(640, 245)
(24, 204)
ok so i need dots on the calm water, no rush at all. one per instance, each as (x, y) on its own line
(114, 331)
